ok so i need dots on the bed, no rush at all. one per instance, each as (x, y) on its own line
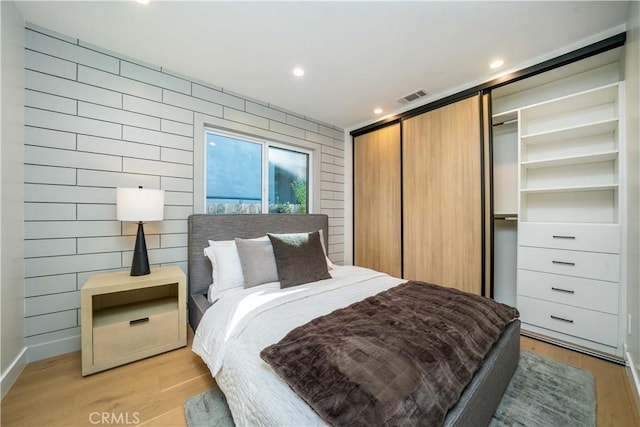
(255, 393)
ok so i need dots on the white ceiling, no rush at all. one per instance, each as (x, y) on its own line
(357, 55)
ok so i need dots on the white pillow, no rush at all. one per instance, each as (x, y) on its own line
(329, 263)
(226, 271)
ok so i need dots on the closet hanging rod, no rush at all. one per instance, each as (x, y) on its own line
(506, 217)
(506, 122)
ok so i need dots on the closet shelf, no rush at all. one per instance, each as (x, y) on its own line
(603, 156)
(573, 103)
(573, 132)
(604, 187)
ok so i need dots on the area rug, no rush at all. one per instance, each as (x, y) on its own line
(208, 408)
(542, 393)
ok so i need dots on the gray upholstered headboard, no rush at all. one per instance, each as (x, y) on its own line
(203, 228)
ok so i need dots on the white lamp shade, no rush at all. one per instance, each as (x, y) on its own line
(139, 204)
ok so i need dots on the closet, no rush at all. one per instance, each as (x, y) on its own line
(514, 190)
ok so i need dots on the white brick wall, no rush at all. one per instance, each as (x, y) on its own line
(96, 120)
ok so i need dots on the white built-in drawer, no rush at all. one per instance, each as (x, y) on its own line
(577, 291)
(578, 322)
(590, 265)
(580, 237)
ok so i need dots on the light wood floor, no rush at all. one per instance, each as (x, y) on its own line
(151, 392)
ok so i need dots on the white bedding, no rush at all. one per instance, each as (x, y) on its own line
(240, 324)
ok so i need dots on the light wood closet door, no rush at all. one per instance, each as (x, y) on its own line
(377, 214)
(442, 196)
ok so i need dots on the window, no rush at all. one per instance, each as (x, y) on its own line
(249, 176)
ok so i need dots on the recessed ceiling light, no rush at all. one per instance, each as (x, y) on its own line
(377, 111)
(145, 2)
(298, 72)
(496, 64)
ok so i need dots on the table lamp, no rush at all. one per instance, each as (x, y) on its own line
(138, 205)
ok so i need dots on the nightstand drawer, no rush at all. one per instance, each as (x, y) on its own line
(590, 265)
(577, 237)
(127, 330)
(578, 322)
(577, 291)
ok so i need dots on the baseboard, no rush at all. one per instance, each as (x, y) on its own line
(12, 373)
(53, 348)
(575, 347)
(635, 378)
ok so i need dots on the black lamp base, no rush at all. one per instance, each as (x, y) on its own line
(140, 263)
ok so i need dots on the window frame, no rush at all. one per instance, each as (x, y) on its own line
(266, 144)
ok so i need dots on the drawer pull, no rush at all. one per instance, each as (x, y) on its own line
(564, 237)
(569, 291)
(561, 318)
(138, 321)
(563, 263)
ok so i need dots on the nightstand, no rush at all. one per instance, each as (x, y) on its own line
(127, 318)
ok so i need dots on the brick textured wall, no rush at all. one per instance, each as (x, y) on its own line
(96, 120)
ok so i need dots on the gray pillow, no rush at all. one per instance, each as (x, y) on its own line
(257, 261)
(299, 258)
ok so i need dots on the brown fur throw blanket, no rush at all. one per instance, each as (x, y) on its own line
(401, 357)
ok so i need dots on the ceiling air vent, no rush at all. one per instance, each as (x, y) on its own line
(412, 96)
